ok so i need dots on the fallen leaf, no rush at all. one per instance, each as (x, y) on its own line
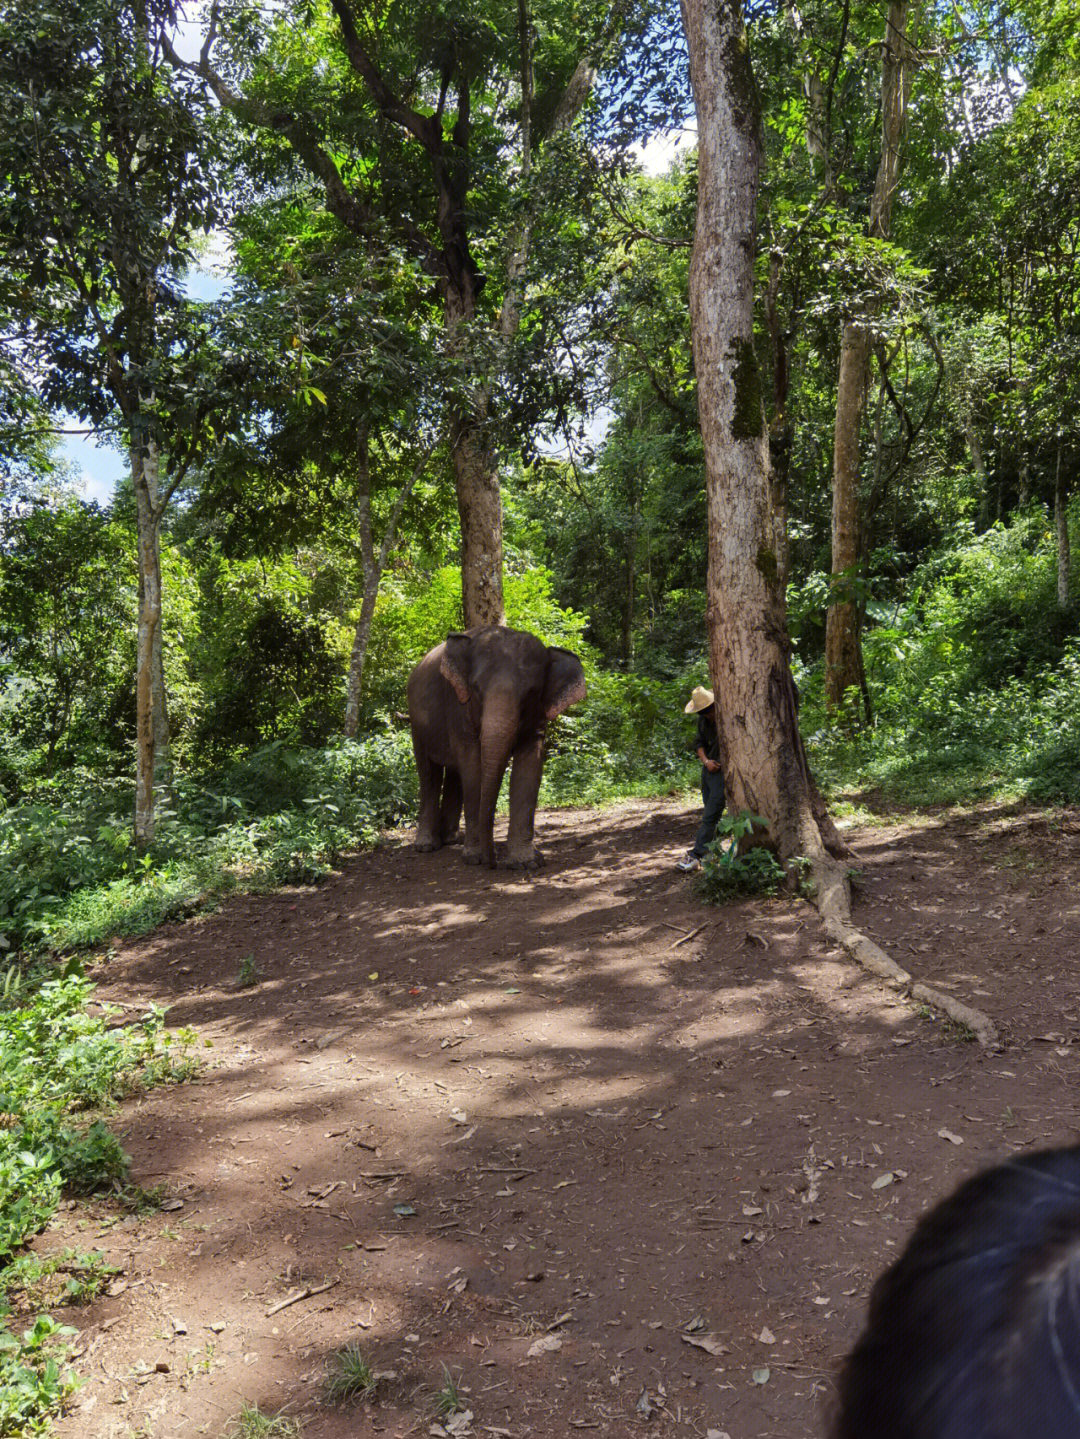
(459, 1116)
(766, 1337)
(950, 1136)
(761, 1376)
(883, 1180)
(546, 1344)
(709, 1342)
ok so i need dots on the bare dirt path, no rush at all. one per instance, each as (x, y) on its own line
(620, 1161)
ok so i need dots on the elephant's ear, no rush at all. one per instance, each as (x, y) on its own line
(565, 682)
(454, 665)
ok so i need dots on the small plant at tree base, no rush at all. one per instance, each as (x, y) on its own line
(800, 869)
(251, 1423)
(726, 875)
(349, 1376)
(249, 974)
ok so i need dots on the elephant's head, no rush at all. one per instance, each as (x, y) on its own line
(494, 663)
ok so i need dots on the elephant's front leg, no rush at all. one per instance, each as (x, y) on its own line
(469, 770)
(525, 776)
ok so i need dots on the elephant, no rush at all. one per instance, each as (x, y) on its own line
(478, 700)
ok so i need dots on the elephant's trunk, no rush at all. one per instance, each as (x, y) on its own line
(497, 731)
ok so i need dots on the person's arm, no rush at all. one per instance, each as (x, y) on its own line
(711, 765)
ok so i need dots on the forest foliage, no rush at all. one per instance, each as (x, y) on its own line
(301, 421)
(446, 256)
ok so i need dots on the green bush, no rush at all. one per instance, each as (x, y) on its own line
(727, 875)
(56, 1059)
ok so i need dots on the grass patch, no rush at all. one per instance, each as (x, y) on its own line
(251, 1423)
(349, 1376)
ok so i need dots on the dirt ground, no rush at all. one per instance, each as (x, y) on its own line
(606, 1157)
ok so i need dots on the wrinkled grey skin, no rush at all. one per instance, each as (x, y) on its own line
(478, 701)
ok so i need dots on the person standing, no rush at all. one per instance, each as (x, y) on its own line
(703, 704)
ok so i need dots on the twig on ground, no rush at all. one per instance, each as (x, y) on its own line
(308, 1293)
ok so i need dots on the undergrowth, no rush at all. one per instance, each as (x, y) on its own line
(60, 1066)
(70, 876)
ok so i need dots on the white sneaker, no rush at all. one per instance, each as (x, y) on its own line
(689, 862)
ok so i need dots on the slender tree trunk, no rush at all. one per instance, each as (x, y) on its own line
(780, 433)
(978, 464)
(356, 660)
(163, 763)
(148, 543)
(1061, 526)
(373, 563)
(629, 592)
(765, 763)
(1024, 481)
(843, 649)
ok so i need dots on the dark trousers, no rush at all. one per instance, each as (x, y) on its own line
(712, 794)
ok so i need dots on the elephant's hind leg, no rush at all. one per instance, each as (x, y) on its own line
(427, 825)
(450, 809)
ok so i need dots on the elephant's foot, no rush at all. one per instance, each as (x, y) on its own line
(472, 856)
(453, 838)
(527, 859)
(425, 844)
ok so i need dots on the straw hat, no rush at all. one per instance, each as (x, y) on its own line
(700, 700)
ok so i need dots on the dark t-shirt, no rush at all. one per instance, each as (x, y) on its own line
(707, 737)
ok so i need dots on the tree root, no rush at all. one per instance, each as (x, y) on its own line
(832, 896)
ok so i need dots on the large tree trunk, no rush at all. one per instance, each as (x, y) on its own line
(843, 648)
(765, 763)
(144, 460)
(476, 480)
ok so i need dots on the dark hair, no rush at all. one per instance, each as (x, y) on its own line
(974, 1332)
